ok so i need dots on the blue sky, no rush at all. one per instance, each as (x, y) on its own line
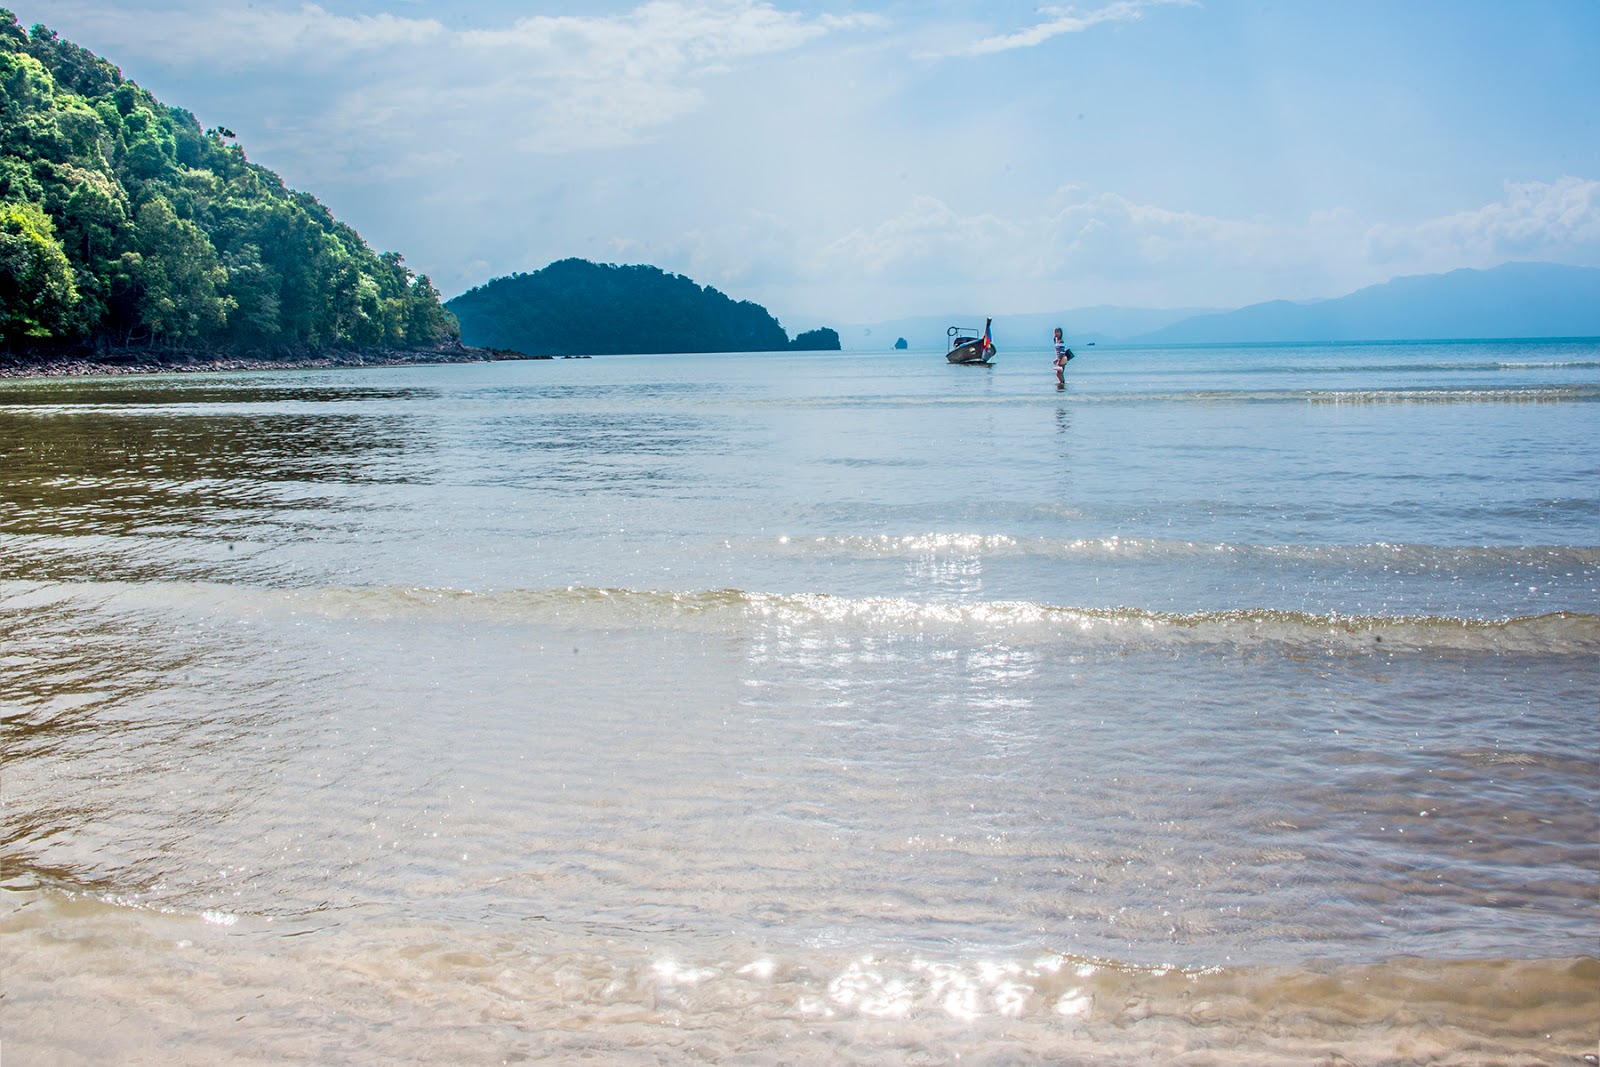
(854, 162)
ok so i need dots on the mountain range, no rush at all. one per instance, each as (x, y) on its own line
(1511, 300)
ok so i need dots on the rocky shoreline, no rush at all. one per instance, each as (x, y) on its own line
(106, 362)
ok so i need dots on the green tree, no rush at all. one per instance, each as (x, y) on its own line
(821, 339)
(253, 287)
(427, 322)
(574, 306)
(171, 235)
(25, 86)
(95, 212)
(38, 297)
(11, 36)
(181, 282)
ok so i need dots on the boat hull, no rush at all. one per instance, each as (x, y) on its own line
(971, 352)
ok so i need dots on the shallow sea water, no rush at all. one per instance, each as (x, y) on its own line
(1227, 706)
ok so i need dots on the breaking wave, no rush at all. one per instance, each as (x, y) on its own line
(737, 612)
(912, 546)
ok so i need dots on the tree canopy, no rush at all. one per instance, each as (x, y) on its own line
(123, 222)
(575, 307)
(822, 339)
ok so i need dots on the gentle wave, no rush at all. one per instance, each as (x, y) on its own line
(1082, 393)
(916, 546)
(749, 1002)
(1085, 394)
(1554, 394)
(735, 611)
(1560, 632)
(1476, 366)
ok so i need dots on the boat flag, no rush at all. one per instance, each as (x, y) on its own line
(988, 343)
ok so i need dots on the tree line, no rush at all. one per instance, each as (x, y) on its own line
(575, 307)
(123, 223)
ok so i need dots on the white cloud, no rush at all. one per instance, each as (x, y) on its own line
(545, 84)
(1105, 234)
(598, 82)
(1108, 231)
(927, 233)
(240, 38)
(1124, 251)
(790, 156)
(550, 85)
(1536, 220)
(1059, 21)
(661, 38)
(1080, 249)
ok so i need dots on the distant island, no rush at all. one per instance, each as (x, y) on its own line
(575, 307)
(130, 235)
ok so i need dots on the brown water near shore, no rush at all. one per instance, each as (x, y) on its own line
(124, 361)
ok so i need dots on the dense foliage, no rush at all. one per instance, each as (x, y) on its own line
(574, 307)
(123, 223)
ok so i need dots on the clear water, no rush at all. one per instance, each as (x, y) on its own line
(1230, 704)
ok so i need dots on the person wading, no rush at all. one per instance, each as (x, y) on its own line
(1063, 356)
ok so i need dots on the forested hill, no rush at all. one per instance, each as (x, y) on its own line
(124, 224)
(575, 307)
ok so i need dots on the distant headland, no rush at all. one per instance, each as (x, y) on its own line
(577, 307)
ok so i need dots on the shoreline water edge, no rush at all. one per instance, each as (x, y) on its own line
(124, 361)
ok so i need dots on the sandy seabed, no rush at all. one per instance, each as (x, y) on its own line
(86, 981)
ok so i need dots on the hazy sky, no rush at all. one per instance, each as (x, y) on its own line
(852, 162)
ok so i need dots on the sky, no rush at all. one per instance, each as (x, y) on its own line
(845, 162)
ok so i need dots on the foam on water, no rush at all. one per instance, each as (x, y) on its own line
(740, 613)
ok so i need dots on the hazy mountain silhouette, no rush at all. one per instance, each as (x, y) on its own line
(1027, 329)
(1511, 300)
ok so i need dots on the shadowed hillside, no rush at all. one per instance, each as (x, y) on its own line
(575, 307)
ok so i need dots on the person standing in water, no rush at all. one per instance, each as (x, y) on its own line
(1063, 354)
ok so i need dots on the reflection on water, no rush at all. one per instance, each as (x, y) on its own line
(653, 764)
(170, 456)
(247, 481)
(836, 711)
(197, 390)
(130, 734)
